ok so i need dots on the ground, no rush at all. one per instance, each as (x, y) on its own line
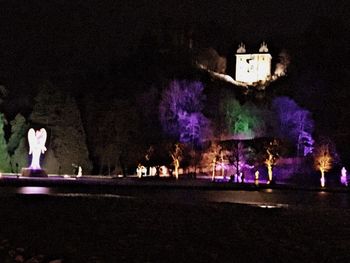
(96, 229)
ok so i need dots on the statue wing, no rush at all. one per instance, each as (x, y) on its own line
(42, 139)
(31, 139)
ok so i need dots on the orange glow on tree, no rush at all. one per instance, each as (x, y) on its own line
(269, 163)
(210, 158)
(176, 155)
(214, 167)
(272, 156)
(222, 164)
(323, 161)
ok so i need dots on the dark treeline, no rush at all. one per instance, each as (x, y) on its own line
(116, 99)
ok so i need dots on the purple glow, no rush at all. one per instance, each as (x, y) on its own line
(295, 124)
(33, 190)
(193, 127)
(343, 177)
(180, 111)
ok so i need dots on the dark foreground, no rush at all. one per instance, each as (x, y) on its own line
(109, 229)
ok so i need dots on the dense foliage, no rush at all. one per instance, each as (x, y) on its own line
(5, 165)
(180, 112)
(108, 114)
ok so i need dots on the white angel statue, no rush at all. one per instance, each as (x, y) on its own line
(37, 147)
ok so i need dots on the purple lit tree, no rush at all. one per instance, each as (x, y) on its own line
(193, 127)
(180, 112)
(294, 123)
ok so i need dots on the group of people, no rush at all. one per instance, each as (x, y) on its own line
(237, 178)
(141, 171)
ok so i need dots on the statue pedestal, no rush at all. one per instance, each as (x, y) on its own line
(28, 172)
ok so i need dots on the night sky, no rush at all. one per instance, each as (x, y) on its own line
(60, 34)
(101, 53)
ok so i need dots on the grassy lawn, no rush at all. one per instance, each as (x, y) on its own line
(78, 229)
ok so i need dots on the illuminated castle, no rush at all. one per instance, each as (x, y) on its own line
(253, 68)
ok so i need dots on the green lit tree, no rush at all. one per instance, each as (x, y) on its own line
(20, 157)
(19, 128)
(4, 156)
(243, 121)
(17, 144)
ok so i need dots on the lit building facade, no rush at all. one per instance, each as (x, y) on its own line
(252, 68)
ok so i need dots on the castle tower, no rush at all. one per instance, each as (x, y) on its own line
(252, 68)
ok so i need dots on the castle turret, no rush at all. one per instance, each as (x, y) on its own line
(255, 67)
(241, 48)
